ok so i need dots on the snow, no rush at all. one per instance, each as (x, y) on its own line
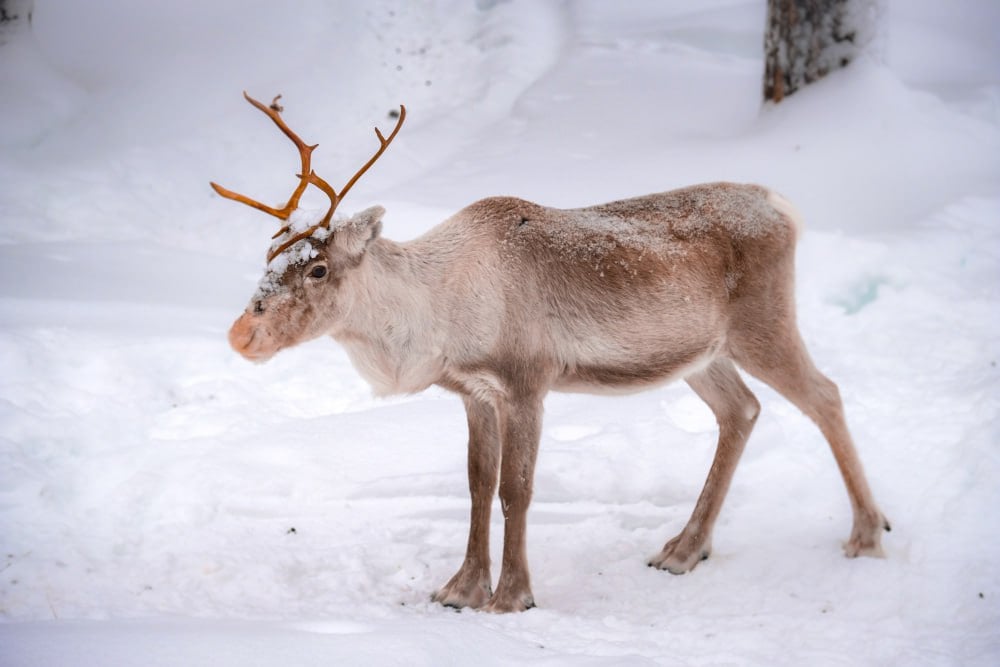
(164, 502)
(296, 254)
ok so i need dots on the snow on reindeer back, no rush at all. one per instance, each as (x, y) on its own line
(665, 223)
(296, 254)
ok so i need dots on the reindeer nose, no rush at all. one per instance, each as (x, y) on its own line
(258, 307)
(241, 335)
(243, 338)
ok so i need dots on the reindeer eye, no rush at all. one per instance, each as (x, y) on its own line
(318, 271)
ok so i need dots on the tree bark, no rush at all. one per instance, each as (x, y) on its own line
(807, 39)
(15, 18)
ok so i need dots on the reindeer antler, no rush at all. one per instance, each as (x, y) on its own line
(306, 177)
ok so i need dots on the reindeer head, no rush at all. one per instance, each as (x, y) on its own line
(305, 289)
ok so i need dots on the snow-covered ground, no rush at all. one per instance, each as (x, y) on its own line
(163, 502)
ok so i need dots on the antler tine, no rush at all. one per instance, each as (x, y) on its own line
(306, 177)
(305, 153)
(384, 143)
(315, 179)
(335, 198)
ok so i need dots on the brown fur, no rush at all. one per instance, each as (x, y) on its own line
(508, 300)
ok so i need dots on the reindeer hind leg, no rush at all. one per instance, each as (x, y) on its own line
(778, 357)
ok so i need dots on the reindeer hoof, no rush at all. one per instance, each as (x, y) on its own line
(866, 537)
(507, 604)
(456, 600)
(680, 556)
(464, 590)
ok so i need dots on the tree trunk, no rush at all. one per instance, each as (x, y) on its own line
(15, 18)
(807, 39)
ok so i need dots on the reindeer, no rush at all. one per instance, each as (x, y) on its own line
(508, 300)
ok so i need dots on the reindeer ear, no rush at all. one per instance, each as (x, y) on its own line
(354, 234)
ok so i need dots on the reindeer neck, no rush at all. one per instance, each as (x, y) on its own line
(391, 331)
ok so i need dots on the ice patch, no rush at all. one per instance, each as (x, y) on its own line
(861, 294)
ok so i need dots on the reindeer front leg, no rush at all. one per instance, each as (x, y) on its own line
(520, 430)
(471, 585)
